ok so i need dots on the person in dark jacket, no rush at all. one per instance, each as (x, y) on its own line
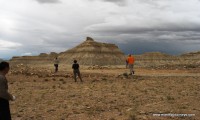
(5, 96)
(76, 71)
(56, 62)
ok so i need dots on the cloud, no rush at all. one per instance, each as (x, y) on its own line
(153, 21)
(139, 25)
(141, 43)
(103, 29)
(117, 2)
(27, 54)
(162, 32)
(6, 45)
(48, 1)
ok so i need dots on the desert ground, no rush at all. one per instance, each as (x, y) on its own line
(105, 94)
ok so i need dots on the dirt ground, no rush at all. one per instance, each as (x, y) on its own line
(108, 94)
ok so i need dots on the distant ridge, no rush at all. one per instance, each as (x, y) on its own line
(91, 52)
(191, 55)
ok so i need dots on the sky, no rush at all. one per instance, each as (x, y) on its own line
(30, 27)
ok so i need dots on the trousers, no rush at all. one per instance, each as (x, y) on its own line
(4, 109)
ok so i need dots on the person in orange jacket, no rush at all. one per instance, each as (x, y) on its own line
(131, 61)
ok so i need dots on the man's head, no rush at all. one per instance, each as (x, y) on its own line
(129, 55)
(75, 61)
(4, 67)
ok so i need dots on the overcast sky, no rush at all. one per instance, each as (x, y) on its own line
(30, 27)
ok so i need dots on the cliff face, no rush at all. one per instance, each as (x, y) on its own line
(91, 52)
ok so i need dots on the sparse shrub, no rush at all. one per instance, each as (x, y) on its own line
(63, 82)
(125, 74)
(11, 83)
(112, 118)
(191, 66)
(19, 115)
(47, 75)
(183, 107)
(104, 79)
(46, 80)
(67, 76)
(132, 117)
(54, 87)
(95, 80)
(40, 76)
(170, 98)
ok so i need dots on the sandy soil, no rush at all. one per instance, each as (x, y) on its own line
(105, 94)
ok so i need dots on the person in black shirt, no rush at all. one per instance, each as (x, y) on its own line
(76, 71)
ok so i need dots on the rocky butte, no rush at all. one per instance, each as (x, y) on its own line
(91, 52)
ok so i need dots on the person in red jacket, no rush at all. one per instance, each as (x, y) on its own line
(131, 61)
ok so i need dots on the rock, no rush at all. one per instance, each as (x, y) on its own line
(89, 39)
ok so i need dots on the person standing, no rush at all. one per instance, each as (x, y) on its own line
(56, 62)
(5, 96)
(126, 63)
(76, 71)
(131, 61)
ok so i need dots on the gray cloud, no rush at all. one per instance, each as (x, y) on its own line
(170, 26)
(118, 2)
(127, 28)
(48, 1)
(141, 43)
